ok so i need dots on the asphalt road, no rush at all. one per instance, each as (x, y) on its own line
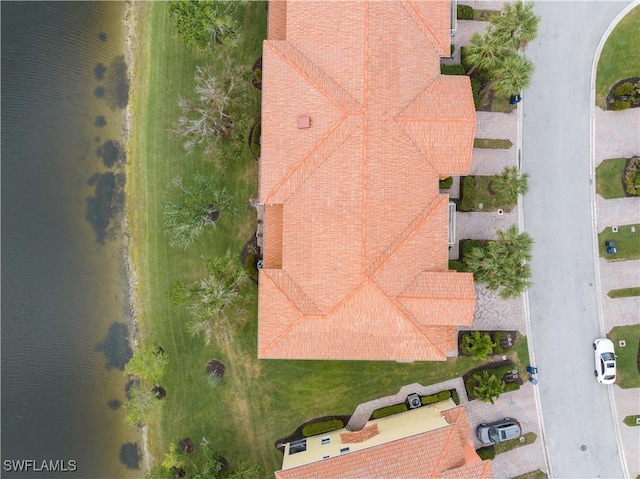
(576, 410)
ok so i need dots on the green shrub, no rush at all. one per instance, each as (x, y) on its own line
(434, 398)
(632, 176)
(485, 453)
(455, 397)
(456, 69)
(475, 89)
(466, 246)
(468, 194)
(496, 339)
(456, 265)
(511, 387)
(464, 12)
(626, 89)
(389, 410)
(632, 421)
(620, 105)
(446, 183)
(322, 427)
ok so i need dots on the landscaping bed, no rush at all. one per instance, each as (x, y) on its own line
(504, 340)
(624, 94)
(503, 370)
(489, 452)
(476, 194)
(492, 143)
(425, 401)
(624, 292)
(322, 424)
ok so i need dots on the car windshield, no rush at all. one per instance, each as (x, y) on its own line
(493, 434)
(608, 356)
(609, 378)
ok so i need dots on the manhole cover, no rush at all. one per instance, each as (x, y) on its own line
(583, 448)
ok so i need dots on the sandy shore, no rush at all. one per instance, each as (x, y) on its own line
(132, 278)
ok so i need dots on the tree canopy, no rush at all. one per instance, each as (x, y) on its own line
(201, 23)
(509, 184)
(502, 263)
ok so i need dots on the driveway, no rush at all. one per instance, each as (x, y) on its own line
(557, 213)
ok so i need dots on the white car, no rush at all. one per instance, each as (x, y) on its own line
(605, 358)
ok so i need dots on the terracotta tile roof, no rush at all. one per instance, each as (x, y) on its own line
(355, 233)
(440, 453)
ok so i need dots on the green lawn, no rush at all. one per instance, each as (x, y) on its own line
(624, 292)
(628, 370)
(484, 15)
(627, 242)
(609, 176)
(256, 402)
(537, 474)
(619, 58)
(484, 199)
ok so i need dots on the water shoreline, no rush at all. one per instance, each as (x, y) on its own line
(131, 273)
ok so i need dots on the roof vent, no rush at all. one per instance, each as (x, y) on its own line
(303, 122)
(414, 401)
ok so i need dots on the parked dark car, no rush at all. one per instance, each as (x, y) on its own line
(498, 431)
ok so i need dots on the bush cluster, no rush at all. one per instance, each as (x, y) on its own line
(626, 89)
(456, 69)
(456, 265)
(455, 396)
(496, 339)
(389, 410)
(632, 176)
(434, 398)
(625, 95)
(620, 105)
(475, 89)
(464, 12)
(322, 427)
(447, 182)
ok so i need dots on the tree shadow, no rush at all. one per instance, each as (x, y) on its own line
(115, 346)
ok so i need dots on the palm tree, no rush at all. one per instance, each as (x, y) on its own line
(509, 184)
(477, 344)
(512, 75)
(485, 51)
(517, 246)
(487, 386)
(517, 25)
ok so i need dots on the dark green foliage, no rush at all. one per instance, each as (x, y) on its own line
(509, 184)
(455, 396)
(322, 427)
(203, 22)
(496, 339)
(254, 138)
(389, 410)
(511, 386)
(485, 453)
(632, 176)
(467, 246)
(456, 265)
(626, 89)
(456, 69)
(475, 89)
(477, 344)
(464, 12)
(434, 398)
(620, 105)
(453, 49)
(446, 183)
(486, 386)
(467, 194)
(503, 264)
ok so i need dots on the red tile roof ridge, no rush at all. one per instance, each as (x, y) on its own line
(424, 25)
(314, 159)
(405, 235)
(290, 289)
(297, 60)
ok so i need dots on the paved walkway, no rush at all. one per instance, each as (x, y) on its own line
(615, 134)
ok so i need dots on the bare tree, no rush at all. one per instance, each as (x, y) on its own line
(207, 119)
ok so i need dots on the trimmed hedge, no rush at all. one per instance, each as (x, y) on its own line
(488, 452)
(389, 410)
(456, 69)
(626, 89)
(620, 105)
(467, 194)
(464, 12)
(466, 246)
(434, 398)
(475, 89)
(455, 397)
(322, 427)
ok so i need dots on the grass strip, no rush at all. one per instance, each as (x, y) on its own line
(609, 175)
(619, 58)
(627, 240)
(529, 438)
(624, 292)
(492, 143)
(632, 421)
(628, 370)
